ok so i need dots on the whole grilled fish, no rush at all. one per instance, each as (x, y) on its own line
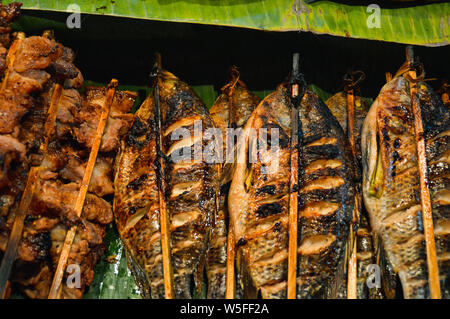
(235, 95)
(366, 250)
(391, 182)
(190, 193)
(259, 197)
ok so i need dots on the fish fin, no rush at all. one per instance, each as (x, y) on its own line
(335, 290)
(389, 278)
(198, 274)
(141, 279)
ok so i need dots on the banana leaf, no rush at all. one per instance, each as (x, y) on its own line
(427, 25)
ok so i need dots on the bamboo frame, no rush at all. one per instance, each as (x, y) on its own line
(163, 213)
(427, 214)
(56, 287)
(293, 191)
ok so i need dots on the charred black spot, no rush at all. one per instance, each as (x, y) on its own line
(136, 183)
(395, 156)
(385, 134)
(283, 139)
(30, 219)
(41, 244)
(397, 143)
(210, 192)
(138, 129)
(268, 209)
(277, 227)
(268, 189)
(133, 210)
(225, 188)
(263, 172)
(241, 242)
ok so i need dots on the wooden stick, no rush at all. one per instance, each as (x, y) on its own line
(352, 268)
(388, 77)
(427, 215)
(32, 180)
(16, 232)
(11, 58)
(230, 292)
(231, 255)
(293, 193)
(56, 288)
(163, 213)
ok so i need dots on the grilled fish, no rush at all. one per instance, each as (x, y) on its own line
(366, 250)
(259, 197)
(242, 102)
(190, 194)
(391, 181)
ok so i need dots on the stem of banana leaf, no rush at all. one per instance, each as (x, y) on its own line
(427, 214)
(56, 288)
(163, 214)
(32, 180)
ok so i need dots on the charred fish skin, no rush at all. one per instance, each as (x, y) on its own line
(436, 119)
(259, 198)
(258, 202)
(327, 199)
(190, 189)
(136, 202)
(243, 103)
(338, 107)
(366, 248)
(391, 181)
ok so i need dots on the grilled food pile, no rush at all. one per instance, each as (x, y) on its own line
(39, 72)
(203, 199)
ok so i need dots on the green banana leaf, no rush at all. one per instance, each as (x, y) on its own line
(427, 25)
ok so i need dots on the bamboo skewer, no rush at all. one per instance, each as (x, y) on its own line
(427, 215)
(32, 180)
(11, 58)
(293, 192)
(16, 231)
(230, 291)
(163, 213)
(56, 288)
(352, 267)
